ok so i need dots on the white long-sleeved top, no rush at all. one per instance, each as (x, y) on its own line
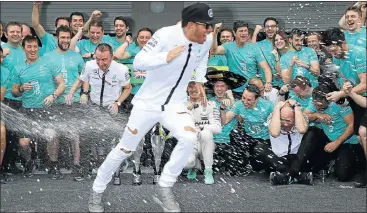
(207, 117)
(166, 83)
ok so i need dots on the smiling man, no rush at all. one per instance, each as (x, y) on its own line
(299, 60)
(169, 58)
(352, 62)
(356, 32)
(270, 28)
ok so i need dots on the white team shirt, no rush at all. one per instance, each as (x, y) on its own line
(166, 83)
(116, 77)
(207, 117)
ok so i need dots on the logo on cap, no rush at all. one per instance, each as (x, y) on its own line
(210, 13)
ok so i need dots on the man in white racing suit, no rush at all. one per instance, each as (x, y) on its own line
(207, 122)
(169, 58)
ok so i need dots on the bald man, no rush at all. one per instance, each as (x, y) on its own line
(26, 31)
(272, 96)
(287, 124)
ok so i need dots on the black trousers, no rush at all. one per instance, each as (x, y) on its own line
(313, 142)
(358, 112)
(349, 161)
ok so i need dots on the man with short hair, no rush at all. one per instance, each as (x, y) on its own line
(242, 56)
(299, 60)
(39, 82)
(76, 21)
(162, 98)
(337, 124)
(355, 31)
(72, 64)
(87, 47)
(254, 111)
(314, 41)
(48, 40)
(109, 80)
(207, 123)
(352, 62)
(225, 35)
(271, 28)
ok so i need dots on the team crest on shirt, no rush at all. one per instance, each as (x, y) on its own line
(114, 77)
(95, 71)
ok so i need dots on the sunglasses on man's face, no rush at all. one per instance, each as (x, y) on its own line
(207, 25)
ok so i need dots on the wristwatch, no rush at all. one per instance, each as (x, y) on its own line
(85, 93)
(118, 103)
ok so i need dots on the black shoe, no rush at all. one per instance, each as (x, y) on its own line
(56, 174)
(29, 169)
(77, 172)
(277, 178)
(306, 178)
(361, 182)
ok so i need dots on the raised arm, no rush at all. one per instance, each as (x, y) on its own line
(40, 31)
(215, 49)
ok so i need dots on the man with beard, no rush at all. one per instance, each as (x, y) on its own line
(352, 62)
(243, 57)
(72, 64)
(355, 31)
(39, 82)
(225, 35)
(299, 60)
(87, 47)
(121, 28)
(266, 47)
(48, 41)
(170, 57)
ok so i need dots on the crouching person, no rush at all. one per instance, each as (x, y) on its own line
(207, 122)
(287, 125)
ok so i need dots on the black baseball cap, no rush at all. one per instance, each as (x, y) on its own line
(198, 12)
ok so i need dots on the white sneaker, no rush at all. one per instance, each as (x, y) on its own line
(95, 202)
(165, 198)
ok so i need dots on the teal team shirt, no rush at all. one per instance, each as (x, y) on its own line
(133, 49)
(255, 120)
(15, 59)
(71, 64)
(266, 47)
(223, 137)
(338, 125)
(86, 46)
(116, 44)
(357, 39)
(353, 65)
(5, 76)
(305, 102)
(243, 60)
(49, 44)
(41, 74)
(217, 60)
(307, 55)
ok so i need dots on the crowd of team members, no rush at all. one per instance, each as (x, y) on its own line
(289, 109)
